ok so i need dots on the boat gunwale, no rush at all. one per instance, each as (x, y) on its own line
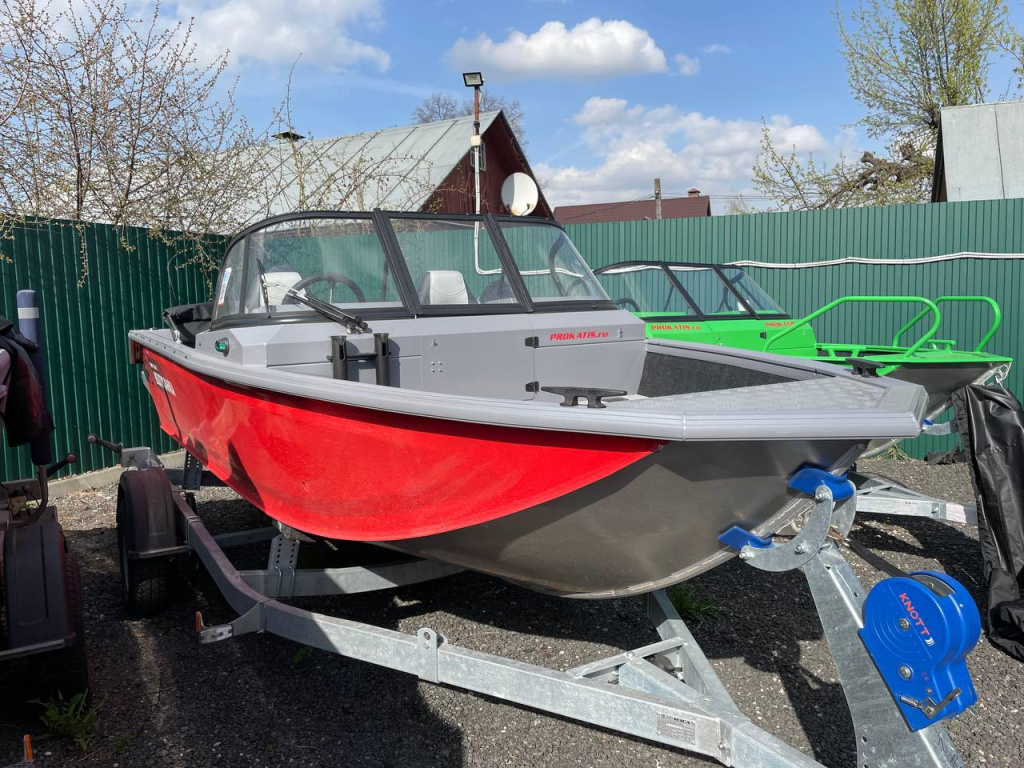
(906, 403)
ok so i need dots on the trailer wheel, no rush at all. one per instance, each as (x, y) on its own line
(66, 670)
(143, 499)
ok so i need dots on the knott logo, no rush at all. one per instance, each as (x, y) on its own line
(578, 336)
(916, 619)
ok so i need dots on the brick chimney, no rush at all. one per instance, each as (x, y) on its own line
(693, 192)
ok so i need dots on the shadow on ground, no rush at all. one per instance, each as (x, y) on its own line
(168, 701)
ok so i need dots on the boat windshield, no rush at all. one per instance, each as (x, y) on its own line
(644, 288)
(549, 263)
(340, 261)
(708, 291)
(429, 263)
(753, 294)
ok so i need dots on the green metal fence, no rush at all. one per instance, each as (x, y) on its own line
(131, 278)
(886, 233)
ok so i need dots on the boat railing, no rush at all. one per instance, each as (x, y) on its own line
(997, 319)
(929, 306)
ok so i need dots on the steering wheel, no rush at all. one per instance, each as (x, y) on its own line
(332, 279)
(576, 281)
(723, 305)
(626, 300)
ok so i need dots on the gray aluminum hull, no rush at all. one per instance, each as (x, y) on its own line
(650, 525)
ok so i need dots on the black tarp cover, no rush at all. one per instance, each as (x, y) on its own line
(26, 416)
(991, 425)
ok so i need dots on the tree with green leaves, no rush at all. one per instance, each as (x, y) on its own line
(905, 59)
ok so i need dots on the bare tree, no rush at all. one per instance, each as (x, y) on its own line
(437, 106)
(441, 106)
(119, 122)
(114, 119)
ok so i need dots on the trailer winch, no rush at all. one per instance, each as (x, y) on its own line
(918, 630)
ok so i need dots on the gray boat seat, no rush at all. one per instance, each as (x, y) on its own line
(443, 286)
(278, 284)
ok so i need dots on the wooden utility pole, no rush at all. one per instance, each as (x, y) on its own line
(657, 199)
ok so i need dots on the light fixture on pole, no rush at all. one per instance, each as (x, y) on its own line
(475, 80)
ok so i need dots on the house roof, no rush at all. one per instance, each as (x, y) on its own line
(396, 168)
(980, 152)
(636, 210)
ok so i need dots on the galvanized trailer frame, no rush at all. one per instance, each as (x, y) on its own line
(666, 692)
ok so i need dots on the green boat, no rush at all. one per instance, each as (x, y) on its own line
(721, 304)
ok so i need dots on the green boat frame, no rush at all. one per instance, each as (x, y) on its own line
(741, 314)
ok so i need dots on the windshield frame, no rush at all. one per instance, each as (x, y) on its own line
(698, 314)
(398, 270)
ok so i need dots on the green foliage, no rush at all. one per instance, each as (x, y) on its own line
(905, 59)
(303, 654)
(691, 606)
(70, 719)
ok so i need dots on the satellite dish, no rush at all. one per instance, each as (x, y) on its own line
(519, 193)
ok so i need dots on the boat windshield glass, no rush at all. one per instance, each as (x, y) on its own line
(552, 268)
(755, 296)
(644, 288)
(437, 263)
(452, 261)
(337, 260)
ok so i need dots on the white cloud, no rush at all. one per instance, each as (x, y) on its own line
(635, 144)
(716, 48)
(593, 48)
(273, 32)
(688, 67)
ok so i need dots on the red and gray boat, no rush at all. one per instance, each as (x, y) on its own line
(461, 388)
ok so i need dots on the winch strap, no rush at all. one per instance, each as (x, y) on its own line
(874, 560)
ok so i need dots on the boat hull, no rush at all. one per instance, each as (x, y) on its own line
(940, 381)
(359, 474)
(649, 525)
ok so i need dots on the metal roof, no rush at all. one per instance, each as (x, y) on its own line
(692, 206)
(396, 168)
(980, 154)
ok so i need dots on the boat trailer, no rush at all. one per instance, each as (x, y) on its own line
(899, 681)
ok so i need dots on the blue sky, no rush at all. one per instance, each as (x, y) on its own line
(614, 93)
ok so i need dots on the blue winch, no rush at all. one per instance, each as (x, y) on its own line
(918, 630)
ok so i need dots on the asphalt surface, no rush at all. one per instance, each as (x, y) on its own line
(166, 700)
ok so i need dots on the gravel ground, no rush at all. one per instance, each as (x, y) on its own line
(165, 700)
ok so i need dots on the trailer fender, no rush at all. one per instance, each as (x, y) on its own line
(146, 512)
(33, 579)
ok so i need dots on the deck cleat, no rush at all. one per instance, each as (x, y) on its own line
(918, 631)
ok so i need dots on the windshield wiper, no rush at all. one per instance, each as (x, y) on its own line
(351, 323)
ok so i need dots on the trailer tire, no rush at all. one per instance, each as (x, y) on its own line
(141, 500)
(67, 670)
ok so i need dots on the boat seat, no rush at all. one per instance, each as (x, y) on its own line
(278, 284)
(188, 320)
(443, 286)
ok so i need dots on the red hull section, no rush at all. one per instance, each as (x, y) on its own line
(359, 474)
